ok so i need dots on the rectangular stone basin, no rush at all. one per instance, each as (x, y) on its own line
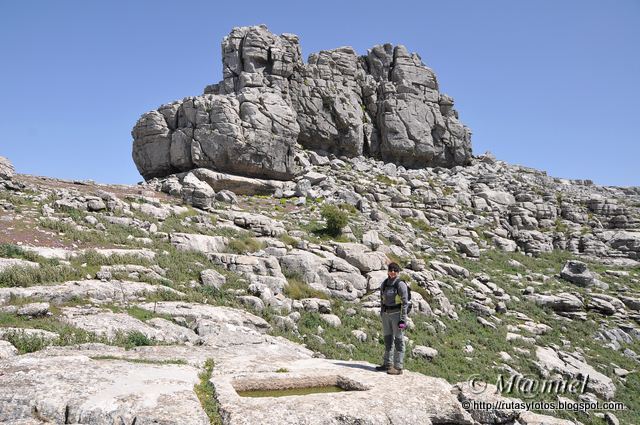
(288, 386)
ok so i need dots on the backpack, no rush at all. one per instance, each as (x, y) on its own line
(395, 286)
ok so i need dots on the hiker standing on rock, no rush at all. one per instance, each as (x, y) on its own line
(394, 301)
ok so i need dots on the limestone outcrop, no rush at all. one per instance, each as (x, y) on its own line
(6, 169)
(385, 104)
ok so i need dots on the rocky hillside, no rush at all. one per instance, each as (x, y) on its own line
(158, 303)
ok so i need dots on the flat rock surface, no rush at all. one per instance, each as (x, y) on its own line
(200, 243)
(430, 400)
(65, 254)
(111, 291)
(78, 389)
(109, 324)
(194, 312)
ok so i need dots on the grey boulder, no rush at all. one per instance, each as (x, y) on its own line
(577, 272)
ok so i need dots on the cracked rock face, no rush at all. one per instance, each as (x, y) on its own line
(250, 133)
(6, 169)
(385, 104)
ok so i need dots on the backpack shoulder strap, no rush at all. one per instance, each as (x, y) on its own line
(396, 283)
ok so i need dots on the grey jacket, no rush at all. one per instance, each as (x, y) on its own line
(390, 297)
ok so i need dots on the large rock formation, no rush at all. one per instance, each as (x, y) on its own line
(385, 104)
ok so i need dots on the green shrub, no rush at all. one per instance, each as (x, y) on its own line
(132, 339)
(335, 217)
(70, 335)
(15, 200)
(26, 343)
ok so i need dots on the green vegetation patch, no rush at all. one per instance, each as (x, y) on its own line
(29, 276)
(297, 289)
(14, 251)
(287, 239)
(421, 225)
(319, 233)
(25, 343)
(245, 244)
(291, 391)
(207, 394)
(382, 178)
(132, 339)
(67, 334)
(114, 234)
(336, 218)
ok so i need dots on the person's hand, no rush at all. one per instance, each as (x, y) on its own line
(402, 325)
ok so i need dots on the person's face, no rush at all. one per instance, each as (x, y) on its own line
(392, 273)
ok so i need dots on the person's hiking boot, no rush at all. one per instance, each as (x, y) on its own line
(394, 371)
(382, 368)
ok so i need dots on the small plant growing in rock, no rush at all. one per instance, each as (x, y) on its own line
(382, 178)
(132, 339)
(421, 225)
(206, 393)
(447, 191)
(336, 219)
(561, 227)
(289, 240)
(26, 343)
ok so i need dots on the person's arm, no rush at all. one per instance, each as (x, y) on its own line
(404, 298)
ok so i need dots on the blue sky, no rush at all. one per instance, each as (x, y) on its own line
(548, 84)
